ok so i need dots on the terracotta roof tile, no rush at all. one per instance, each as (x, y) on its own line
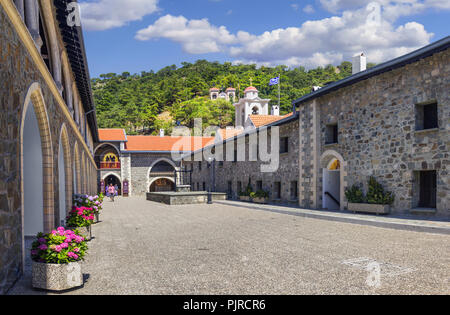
(167, 144)
(262, 120)
(112, 135)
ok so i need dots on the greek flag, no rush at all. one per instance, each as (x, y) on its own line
(274, 81)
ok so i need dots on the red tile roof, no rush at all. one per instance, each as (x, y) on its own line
(167, 144)
(230, 133)
(112, 135)
(262, 120)
(251, 88)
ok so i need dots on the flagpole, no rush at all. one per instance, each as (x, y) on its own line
(279, 92)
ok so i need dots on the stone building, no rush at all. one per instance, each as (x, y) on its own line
(391, 122)
(145, 163)
(235, 169)
(47, 124)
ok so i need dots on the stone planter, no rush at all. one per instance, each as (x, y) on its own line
(97, 217)
(86, 231)
(369, 208)
(244, 198)
(261, 200)
(54, 277)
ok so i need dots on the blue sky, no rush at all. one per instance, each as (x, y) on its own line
(144, 35)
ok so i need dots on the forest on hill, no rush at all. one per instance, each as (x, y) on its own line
(149, 101)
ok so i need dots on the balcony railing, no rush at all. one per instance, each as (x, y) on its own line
(109, 165)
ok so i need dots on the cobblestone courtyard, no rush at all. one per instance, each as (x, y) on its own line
(147, 248)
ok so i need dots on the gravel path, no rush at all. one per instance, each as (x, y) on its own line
(142, 247)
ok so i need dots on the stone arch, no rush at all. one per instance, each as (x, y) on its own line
(159, 178)
(104, 144)
(34, 101)
(83, 173)
(77, 169)
(163, 159)
(326, 160)
(65, 203)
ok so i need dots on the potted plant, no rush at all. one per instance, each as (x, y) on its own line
(260, 196)
(56, 260)
(245, 195)
(376, 201)
(81, 218)
(93, 202)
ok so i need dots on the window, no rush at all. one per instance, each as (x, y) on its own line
(204, 186)
(277, 190)
(239, 187)
(198, 186)
(220, 163)
(331, 134)
(199, 166)
(255, 111)
(426, 184)
(294, 190)
(284, 145)
(259, 185)
(235, 156)
(427, 116)
(230, 190)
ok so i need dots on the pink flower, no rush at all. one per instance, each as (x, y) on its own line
(64, 245)
(76, 250)
(72, 255)
(58, 248)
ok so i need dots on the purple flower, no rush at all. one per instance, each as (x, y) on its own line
(43, 247)
(34, 252)
(42, 240)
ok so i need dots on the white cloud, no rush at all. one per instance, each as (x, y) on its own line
(314, 43)
(195, 36)
(106, 14)
(308, 9)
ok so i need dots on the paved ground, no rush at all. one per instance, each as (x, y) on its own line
(148, 248)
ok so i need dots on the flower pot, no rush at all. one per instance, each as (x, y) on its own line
(85, 231)
(369, 208)
(54, 277)
(97, 217)
(260, 200)
(244, 198)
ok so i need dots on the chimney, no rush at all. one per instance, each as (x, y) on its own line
(359, 63)
(161, 132)
(315, 88)
(275, 110)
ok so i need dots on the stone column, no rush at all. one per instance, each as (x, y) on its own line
(32, 21)
(20, 8)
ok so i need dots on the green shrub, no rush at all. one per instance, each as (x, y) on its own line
(260, 194)
(355, 195)
(377, 195)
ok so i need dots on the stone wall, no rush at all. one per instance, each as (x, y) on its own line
(242, 171)
(18, 73)
(140, 164)
(377, 134)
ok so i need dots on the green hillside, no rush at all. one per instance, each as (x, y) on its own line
(136, 102)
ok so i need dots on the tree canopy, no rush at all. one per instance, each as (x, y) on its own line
(135, 101)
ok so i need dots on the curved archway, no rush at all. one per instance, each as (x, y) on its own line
(65, 175)
(106, 144)
(36, 165)
(160, 169)
(76, 169)
(114, 179)
(333, 180)
(162, 184)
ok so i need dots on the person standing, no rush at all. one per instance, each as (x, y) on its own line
(111, 192)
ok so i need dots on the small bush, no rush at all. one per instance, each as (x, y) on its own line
(377, 195)
(355, 195)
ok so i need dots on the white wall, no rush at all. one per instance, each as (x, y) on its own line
(331, 184)
(32, 175)
(62, 182)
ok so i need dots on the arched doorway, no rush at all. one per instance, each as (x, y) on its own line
(333, 185)
(162, 185)
(32, 175)
(115, 181)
